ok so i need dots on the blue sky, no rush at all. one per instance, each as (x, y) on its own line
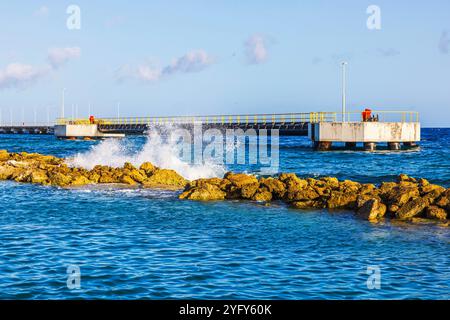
(213, 57)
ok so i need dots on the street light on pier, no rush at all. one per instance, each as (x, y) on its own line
(344, 89)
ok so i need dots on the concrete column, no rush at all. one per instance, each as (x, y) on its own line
(323, 145)
(370, 146)
(394, 145)
(350, 145)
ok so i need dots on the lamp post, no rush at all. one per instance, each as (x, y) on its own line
(344, 89)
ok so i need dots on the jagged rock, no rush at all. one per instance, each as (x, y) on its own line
(405, 178)
(248, 190)
(94, 177)
(431, 187)
(310, 204)
(275, 186)
(342, 200)
(386, 187)
(444, 200)
(240, 179)
(304, 194)
(412, 208)
(80, 181)
(165, 177)
(423, 182)
(363, 198)
(129, 166)
(368, 188)
(148, 168)
(137, 175)
(372, 210)
(204, 192)
(399, 196)
(348, 186)
(38, 176)
(262, 195)
(107, 177)
(128, 180)
(292, 182)
(331, 182)
(434, 212)
(4, 155)
(59, 179)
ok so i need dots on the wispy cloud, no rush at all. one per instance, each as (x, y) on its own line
(20, 75)
(444, 42)
(193, 61)
(389, 52)
(41, 12)
(59, 56)
(256, 49)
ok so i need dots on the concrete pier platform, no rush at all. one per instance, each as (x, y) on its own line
(83, 131)
(324, 134)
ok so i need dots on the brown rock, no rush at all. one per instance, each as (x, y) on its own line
(59, 179)
(348, 186)
(165, 177)
(307, 204)
(372, 210)
(304, 194)
(431, 187)
(204, 192)
(38, 176)
(137, 175)
(404, 177)
(80, 180)
(342, 200)
(148, 168)
(412, 209)
(107, 177)
(248, 190)
(363, 198)
(262, 195)
(331, 182)
(434, 212)
(4, 155)
(444, 200)
(128, 180)
(240, 179)
(275, 186)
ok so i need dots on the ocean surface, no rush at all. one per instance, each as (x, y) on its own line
(147, 244)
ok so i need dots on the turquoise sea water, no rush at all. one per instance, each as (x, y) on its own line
(148, 244)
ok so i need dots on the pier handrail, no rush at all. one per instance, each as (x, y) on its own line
(264, 118)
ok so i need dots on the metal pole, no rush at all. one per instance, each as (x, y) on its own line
(89, 109)
(344, 90)
(118, 111)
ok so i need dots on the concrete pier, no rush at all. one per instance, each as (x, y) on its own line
(368, 133)
(82, 131)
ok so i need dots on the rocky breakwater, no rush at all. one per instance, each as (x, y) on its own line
(407, 199)
(50, 170)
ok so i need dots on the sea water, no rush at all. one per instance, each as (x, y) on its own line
(139, 243)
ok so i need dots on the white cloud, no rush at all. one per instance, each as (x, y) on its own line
(256, 49)
(193, 61)
(444, 42)
(41, 12)
(20, 75)
(59, 56)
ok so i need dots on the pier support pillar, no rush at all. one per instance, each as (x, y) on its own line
(410, 144)
(350, 145)
(370, 146)
(322, 145)
(394, 145)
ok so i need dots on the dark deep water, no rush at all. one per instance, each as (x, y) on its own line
(148, 244)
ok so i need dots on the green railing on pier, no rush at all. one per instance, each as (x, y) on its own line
(283, 119)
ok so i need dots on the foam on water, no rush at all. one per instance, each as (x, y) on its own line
(163, 153)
